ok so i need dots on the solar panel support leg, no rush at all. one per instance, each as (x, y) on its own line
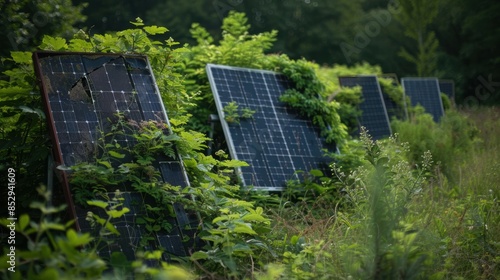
(212, 119)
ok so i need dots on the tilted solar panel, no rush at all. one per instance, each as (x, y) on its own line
(447, 87)
(374, 114)
(275, 141)
(83, 93)
(393, 109)
(425, 91)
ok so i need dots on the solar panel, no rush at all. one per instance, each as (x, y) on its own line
(82, 95)
(425, 91)
(393, 110)
(275, 142)
(374, 114)
(447, 87)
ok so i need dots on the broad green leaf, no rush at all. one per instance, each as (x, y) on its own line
(54, 43)
(78, 239)
(254, 218)
(27, 109)
(117, 213)
(105, 163)
(244, 228)
(112, 229)
(51, 225)
(153, 30)
(316, 173)
(220, 218)
(138, 22)
(49, 273)
(24, 220)
(200, 255)
(21, 57)
(155, 255)
(116, 154)
(98, 203)
(242, 248)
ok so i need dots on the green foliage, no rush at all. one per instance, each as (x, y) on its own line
(232, 114)
(386, 213)
(449, 141)
(53, 249)
(23, 138)
(25, 22)
(162, 56)
(237, 48)
(416, 16)
(307, 99)
(348, 99)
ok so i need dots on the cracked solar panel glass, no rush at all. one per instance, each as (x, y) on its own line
(275, 141)
(425, 91)
(447, 87)
(373, 111)
(83, 93)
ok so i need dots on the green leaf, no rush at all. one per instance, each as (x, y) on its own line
(54, 43)
(112, 229)
(244, 228)
(105, 163)
(78, 239)
(24, 220)
(254, 218)
(117, 213)
(39, 112)
(118, 259)
(138, 22)
(316, 173)
(21, 57)
(200, 255)
(98, 203)
(49, 273)
(116, 154)
(153, 30)
(155, 255)
(51, 225)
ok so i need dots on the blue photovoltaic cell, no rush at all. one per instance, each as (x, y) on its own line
(82, 95)
(373, 111)
(425, 91)
(275, 142)
(447, 87)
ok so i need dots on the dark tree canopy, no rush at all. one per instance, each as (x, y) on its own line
(327, 32)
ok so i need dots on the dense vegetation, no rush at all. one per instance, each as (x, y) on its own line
(421, 204)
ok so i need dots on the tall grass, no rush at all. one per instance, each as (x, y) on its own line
(404, 216)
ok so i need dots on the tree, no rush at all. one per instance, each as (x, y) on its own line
(24, 22)
(467, 31)
(416, 16)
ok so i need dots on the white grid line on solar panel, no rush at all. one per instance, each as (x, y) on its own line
(73, 129)
(447, 87)
(374, 114)
(69, 131)
(149, 101)
(254, 145)
(275, 140)
(425, 91)
(70, 112)
(270, 143)
(264, 90)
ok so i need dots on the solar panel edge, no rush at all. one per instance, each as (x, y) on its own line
(224, 124)
(54, 130)
(242, 80)
(387, 125)
(406, 80)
